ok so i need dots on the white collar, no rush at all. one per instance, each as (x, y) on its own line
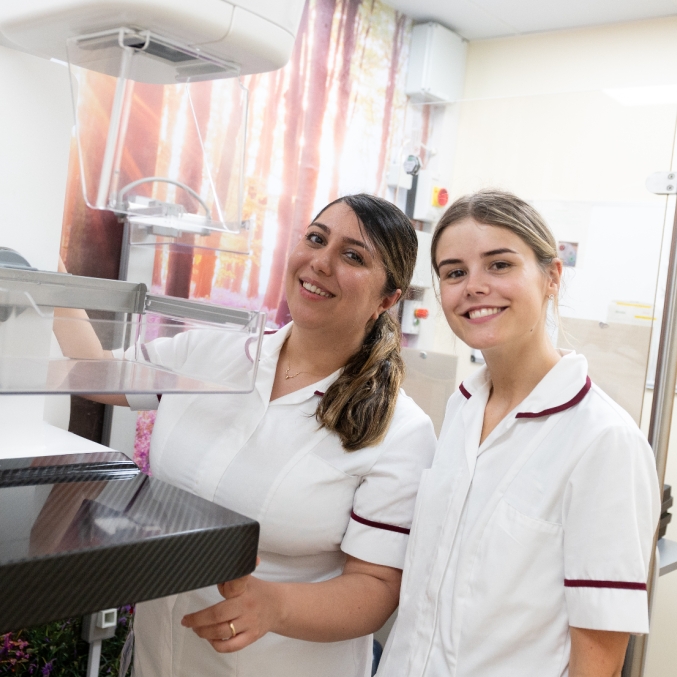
(563, 387)
(270, 354)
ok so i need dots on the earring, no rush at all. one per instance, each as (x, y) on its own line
(551, 297)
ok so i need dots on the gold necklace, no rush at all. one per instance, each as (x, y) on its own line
(286, 373)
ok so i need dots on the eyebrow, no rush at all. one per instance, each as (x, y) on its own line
(350, 240)
(493, 252)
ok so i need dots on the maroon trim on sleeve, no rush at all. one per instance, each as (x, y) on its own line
(379, 525)
(562, 407)
(619, 585)
(464, 392)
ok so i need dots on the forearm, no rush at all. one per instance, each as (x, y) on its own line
(76, 336)
(597, 653)
(74, 332)
(77, 339)
(349, 606)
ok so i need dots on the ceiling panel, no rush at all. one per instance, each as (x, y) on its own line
(476, 19)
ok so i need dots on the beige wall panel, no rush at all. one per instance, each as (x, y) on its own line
(430, 381)
(617, 356)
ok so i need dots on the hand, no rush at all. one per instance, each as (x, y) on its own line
(250, 605)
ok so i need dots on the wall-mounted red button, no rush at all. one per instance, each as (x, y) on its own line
(421, 313)
(440, 196)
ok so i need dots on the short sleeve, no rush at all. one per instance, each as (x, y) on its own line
(611, 510)
(383, 505)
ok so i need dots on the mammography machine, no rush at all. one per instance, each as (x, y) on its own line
(80, 528)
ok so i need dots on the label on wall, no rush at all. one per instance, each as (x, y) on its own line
(631, 312)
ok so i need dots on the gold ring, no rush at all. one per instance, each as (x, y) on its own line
(233, 630)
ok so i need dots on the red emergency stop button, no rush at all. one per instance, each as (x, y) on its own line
(440, 196)
(421, 313)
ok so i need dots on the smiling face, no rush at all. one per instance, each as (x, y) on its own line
(335, 278)
(493, 291)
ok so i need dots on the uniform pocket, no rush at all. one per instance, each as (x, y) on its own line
(514, 607)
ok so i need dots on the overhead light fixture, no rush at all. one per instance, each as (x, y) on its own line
(653, 95)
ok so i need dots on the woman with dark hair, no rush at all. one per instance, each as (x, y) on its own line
(326, 454)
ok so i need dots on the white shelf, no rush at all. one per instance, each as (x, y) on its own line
(668, 556)
(45, 440)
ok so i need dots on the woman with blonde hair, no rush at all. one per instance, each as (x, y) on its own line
(530, 548)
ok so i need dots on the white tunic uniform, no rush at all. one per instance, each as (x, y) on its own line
(547, 524)
(315, 503)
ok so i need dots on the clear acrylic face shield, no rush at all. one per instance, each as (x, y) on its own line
(184, 187)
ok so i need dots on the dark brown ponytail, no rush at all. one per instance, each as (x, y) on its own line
(360, 404)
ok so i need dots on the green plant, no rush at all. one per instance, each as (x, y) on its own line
(58, 650)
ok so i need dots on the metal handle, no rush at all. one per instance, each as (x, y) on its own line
(60, 290)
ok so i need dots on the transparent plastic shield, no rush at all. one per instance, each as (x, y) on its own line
(149, 144)
(153, 352)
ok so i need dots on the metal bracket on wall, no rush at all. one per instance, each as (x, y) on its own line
(662, 183)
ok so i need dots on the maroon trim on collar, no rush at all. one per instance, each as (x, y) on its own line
(251, 340)
(562, 407)
(318, 393)
(378, 525)
(618, 585)
(464, 392)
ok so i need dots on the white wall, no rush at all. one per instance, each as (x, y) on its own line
(538, 119)
(35, 128)
(620, 55)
